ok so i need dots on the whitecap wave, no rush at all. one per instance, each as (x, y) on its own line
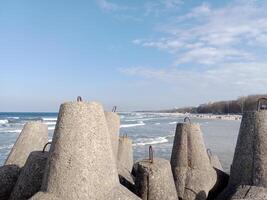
(157, 123)
(173, 123)
(3, 121)
(141, 123)
(6, 146)
(50, 123)
(51, 128)
(49, 118)
(149, 141)
(13, 131)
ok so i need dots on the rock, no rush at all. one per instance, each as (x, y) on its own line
(8, 178)
(154, 181)
(193, 174)
(81, 164)
(30, 179)
(33, 137)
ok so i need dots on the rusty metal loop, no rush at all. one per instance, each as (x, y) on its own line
(114, 108)
(209, 152)
(46, 146)
(259, 103)
(187, 119)
(79, 99)
(151, 154)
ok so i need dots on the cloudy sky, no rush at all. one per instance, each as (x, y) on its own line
(144, 54)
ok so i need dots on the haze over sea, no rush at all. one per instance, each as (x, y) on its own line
(156, 129)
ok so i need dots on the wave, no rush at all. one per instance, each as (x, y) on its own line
(13, 117)
(157, 123)
(172, 123)
(149, 141)
(6, 146)
(49, 118)
(3, 121)
(51, 128)
(141, 123)
(50, 123)
(13, 131)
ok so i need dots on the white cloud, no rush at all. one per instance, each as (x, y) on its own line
(109, 6)
(207, 35)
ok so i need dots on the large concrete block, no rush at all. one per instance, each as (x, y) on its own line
(214, 160)
(125, 153)
(113, 122)
(193, 174)
(154, 180)
(30, 179)
(81, 163)
(247, 192)
(33, 137)
(249, 166)
(8, 178)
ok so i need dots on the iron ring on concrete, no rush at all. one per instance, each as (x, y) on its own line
(259, 103)
(46, 146)
(187, 119)
(79, 99)
(209, 152)
(151, 154)
(114, 109)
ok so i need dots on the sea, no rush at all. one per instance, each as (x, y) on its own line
(145, 129)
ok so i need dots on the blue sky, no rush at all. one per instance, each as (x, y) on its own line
(140, 54)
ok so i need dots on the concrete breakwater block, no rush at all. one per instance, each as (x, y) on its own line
(249, 166)
(81, 164)
(154, 180)
(193, 174)
(125, 153)
(247, 192)
(33, 137)
(30, 179)
(125, 162)
(113, 122)
(8, 178)
(214, 160)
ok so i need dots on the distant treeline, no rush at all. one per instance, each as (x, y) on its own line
(238, 106)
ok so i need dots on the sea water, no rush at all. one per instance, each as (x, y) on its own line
(156, 129)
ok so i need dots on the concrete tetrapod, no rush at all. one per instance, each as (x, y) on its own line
(33, 137)
(249, 165)
(154, 180)
(30, 179)
(113, 122)
(125, 162)
(214, 160)
(193, 174)
(8, 178)
(81, 164)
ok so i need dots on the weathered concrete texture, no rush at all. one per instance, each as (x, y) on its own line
(154, 181)
(126, 179)
(33, 137)
(215, 162)
(250, 192)
(193, 174)
(220, 185)
(8, 178)
(30, 179)
(249, 165)
(81, 164)
(125, 153)
(113, 122)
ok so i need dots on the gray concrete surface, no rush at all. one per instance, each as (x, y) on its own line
(81, 163)
(125, 153)
(154, 181)
(33, 137)
(30, 179)
(8, 178)
(113, 122)
(193, 174)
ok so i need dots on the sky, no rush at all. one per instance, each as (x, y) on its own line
(137, 55)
